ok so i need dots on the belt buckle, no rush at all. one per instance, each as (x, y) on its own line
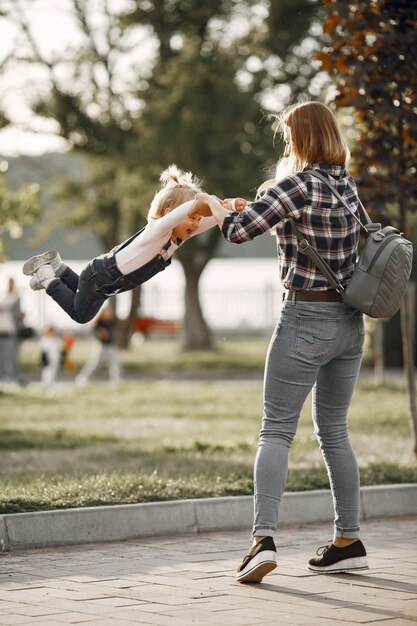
(289, 295)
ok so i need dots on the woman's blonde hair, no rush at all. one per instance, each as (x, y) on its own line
(177, 187)
(315, 137)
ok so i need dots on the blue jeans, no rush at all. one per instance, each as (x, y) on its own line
(82, 296)
(315, 346)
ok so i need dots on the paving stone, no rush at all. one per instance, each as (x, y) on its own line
(16, 618)
(171, 581)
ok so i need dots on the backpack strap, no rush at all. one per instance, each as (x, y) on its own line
(309, 251)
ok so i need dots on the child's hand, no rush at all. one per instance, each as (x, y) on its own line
(234, 204)
(200, 206)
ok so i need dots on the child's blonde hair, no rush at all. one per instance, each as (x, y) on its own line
(177, 187)
(315, 138)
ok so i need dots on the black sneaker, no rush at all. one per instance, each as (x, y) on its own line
(260, 560)
(334, 560)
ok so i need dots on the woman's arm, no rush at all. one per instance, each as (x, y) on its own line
(288, 198)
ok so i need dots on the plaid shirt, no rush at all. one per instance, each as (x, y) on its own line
(326, 224)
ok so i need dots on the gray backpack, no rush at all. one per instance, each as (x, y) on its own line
(382, 271)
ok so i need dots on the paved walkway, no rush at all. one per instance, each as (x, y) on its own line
(178, 581)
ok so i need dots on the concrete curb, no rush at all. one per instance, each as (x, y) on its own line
(20, 531)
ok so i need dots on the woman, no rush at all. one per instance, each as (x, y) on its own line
(318, 342)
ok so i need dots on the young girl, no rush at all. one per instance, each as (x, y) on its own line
(318, 341)
(172, 219)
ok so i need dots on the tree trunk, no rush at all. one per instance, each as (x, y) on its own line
(196, 333)
(126, 326)
(407, 335)
(194, 258)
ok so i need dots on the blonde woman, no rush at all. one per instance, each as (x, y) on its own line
(129, 264)
(317, 344)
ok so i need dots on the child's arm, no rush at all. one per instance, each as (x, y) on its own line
(230, 204)
(166, 223)
(213, 205)
(205, 224)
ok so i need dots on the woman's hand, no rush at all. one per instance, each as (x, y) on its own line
(234, 204)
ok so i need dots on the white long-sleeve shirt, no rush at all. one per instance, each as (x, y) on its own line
(153, 238)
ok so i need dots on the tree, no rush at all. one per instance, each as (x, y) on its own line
(93, 109)
(108, 105)
(202, 107)
(17, 208)
(371, 52)
(195, 115)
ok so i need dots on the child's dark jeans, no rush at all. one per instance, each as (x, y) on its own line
(82, 296)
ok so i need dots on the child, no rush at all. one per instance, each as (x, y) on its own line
(52, 351)
(173, 217)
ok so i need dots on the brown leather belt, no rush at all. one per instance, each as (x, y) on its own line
(313, 296)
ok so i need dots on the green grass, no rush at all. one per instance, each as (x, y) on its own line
(145, 440)
(66, 491)
(55, 439)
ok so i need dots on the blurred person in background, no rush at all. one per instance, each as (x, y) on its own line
(104, 350)
(51, 345)
(10, 318)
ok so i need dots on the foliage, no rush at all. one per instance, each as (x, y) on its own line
(206, 124)
(92, 105)
(106, 199)
(371, 53)
(201, 110)
(4, 120)
(198, 100)
(17, 208)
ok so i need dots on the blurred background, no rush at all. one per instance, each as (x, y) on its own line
(97, 97)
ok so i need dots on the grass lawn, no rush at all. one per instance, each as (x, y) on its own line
(144, 439)
(231, 357)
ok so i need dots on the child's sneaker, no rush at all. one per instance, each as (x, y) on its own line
(42, 278)
(332, 560)
(260, 560)
(51, 258)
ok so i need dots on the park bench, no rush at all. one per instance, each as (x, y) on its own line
(152, 326)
